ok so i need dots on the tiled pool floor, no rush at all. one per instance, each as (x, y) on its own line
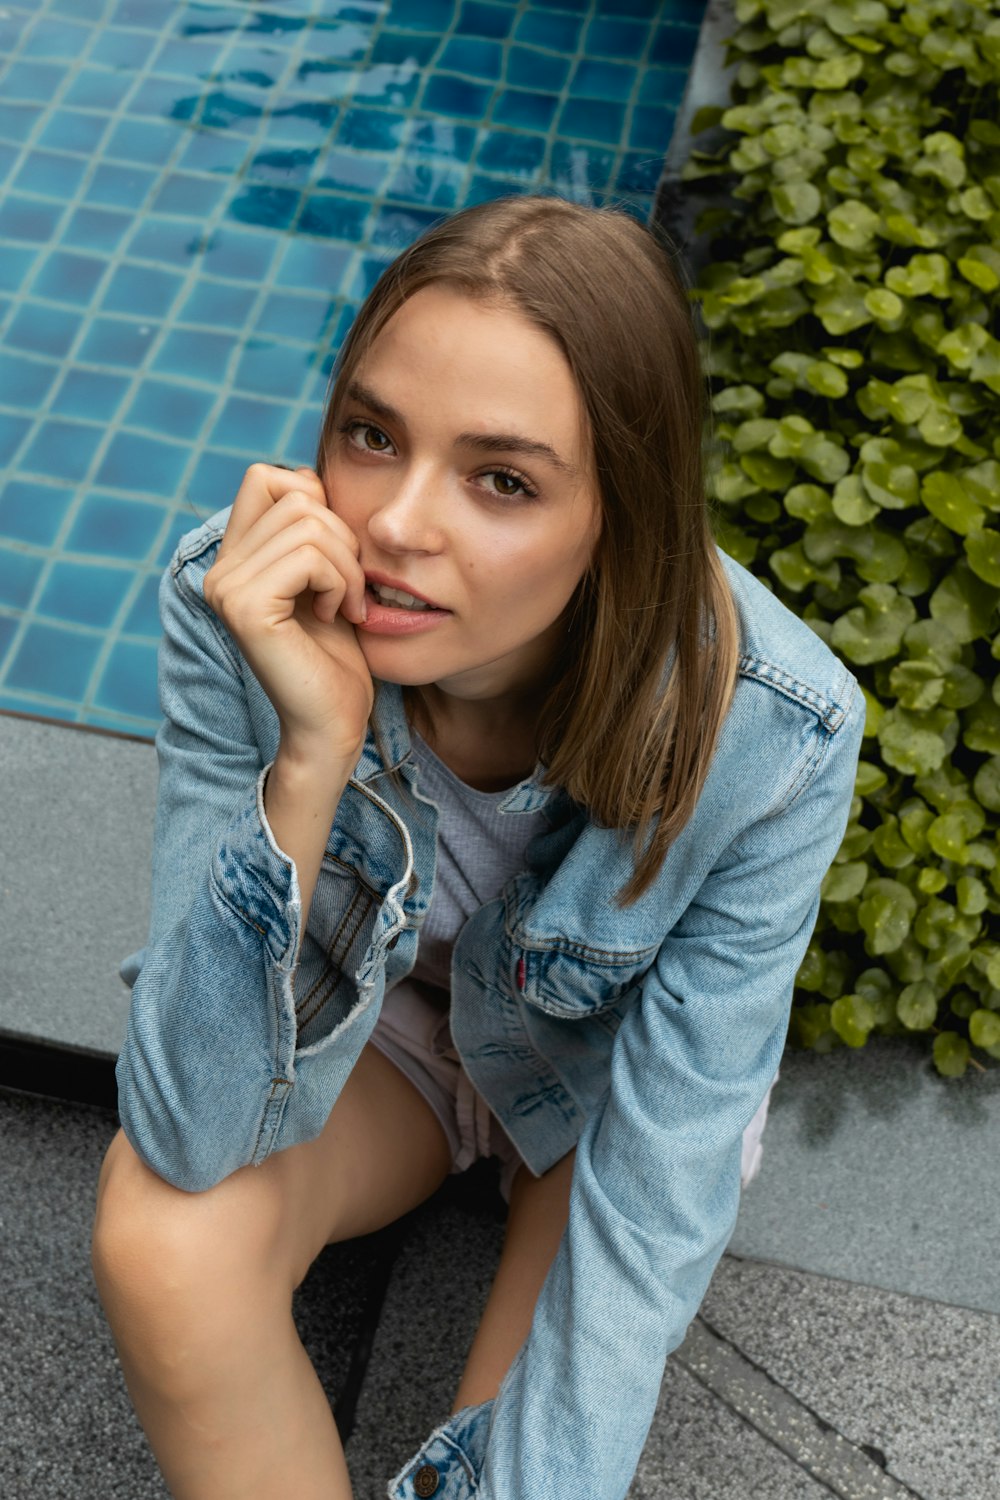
(195, 197)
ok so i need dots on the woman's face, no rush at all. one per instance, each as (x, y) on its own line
(463, 465)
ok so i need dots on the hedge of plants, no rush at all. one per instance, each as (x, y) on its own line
(851, 303)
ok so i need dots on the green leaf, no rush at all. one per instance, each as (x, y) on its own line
(949, 834)
(972, 895)
(908, 745)
(982, 548)
(987, 784)
(892, 851)
(964, 603)
(807, 502)
(946, 497)
(853, 224)
(850, 502)
(873, 630)
(796, 202)
(884, 305)
(852, 1018)
(885, 915)
(951, 1054)
(984, 1028)
(917, 684)
(841, 309)
(844, 882)
(730, 484)
(917, 1006)
(892, 486)
(827, 379)
(981, 727)
(741, 400)
(824, 459)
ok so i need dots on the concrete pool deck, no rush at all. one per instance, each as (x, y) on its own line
(849, 1343)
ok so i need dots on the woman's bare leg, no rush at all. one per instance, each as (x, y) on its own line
(538, 1211)
(198, 1288)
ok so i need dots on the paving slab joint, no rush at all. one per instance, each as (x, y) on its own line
(845, 1469)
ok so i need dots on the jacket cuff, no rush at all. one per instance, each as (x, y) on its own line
(449, 1463)
(259, 882)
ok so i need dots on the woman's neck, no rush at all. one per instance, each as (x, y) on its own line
(488, 744)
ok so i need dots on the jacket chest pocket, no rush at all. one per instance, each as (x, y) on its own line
(562, 984)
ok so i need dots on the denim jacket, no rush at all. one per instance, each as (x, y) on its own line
(645, 1036)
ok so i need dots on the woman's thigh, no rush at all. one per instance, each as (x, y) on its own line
(381, 1152)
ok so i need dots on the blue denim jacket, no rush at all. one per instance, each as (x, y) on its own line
(645, 1036)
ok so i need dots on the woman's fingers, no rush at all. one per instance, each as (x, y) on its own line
(262, 487)
(257, 585)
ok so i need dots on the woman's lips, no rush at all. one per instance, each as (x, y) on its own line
(384, 619)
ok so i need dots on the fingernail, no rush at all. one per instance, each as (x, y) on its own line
(364, 608)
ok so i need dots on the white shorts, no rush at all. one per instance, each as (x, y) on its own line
(415, 1034)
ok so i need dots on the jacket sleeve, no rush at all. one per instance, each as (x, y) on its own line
(657, 1176)
(209, 1058)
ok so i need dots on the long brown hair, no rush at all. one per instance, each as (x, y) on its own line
(630, 724)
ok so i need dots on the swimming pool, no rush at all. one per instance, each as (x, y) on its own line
(195, 199)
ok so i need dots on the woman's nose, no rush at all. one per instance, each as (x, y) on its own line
(408, 519)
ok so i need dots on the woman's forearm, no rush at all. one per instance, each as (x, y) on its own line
(301, 798)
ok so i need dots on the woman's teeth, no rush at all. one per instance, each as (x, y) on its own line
(396, 598)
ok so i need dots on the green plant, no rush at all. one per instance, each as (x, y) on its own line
(852, 306)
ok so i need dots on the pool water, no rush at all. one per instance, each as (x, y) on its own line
(195, 198)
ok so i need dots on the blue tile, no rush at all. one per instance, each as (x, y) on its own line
(189, 58)
(116, 341)
(67, 277)
(135, 461)
(15, 263)
(128, 682)
(674, 46)
(511, 153)
(602, 80)
(581, 168)
(25, 382)
(119, 187)
(651, 9)
(663, 86)
(214, 21)
(474, 56)
(371, 129)
(144, 616)
(83, 593)
(616, 38)
(444, 95)
(17, 121)
(229, 109)
(524, 110)
(434, 183)
(214, 483)
(122, 49)
(95, 88)
(194, 353)
(42, 329)
(290, 317)
(344, 41)
(180, 523)
(175, 411)
(8, 156)
(168, 101)
(640, 171)
(72, 130)
(260, 67)
(184, 193)
(173, 241)
(97, 229)
(62, 450)
(32, 512)
(241, 255)
(56, 39)
(270, 207)
(400, 47)
(213, 152)
(153, 15)
(441, 138)
(477, 18)
(144, 141)
(271, 369)
(141, 291)
(367, 273)
(94, 395)
(592, 119)
(395, 84)
(55, 661)
(527, 68)
(275, 26)
(346, 169)
(51, 174)
(283, 165)
(338, 218)
(27, 219)
(307, 123)
(485, 189)
(543, 29)
(32, 80)
(12, 432)
(302, 443)
(396, 227)
(8, 629)
(105, 526)
(250, 426)
(19, 573)
(651, 129)
(217, 303)
(312, 264)
(422, 15)
(90, 9)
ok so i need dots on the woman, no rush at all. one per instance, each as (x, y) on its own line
(494, 805)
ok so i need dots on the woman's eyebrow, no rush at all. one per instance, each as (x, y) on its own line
(512, 442)
(364, 396)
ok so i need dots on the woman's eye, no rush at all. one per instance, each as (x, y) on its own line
(508, 485)
(368, 437)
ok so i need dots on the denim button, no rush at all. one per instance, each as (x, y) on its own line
(426, 1481)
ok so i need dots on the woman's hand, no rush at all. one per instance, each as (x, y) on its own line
(287, 584)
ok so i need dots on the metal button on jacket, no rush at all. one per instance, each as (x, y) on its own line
(426, 1481)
